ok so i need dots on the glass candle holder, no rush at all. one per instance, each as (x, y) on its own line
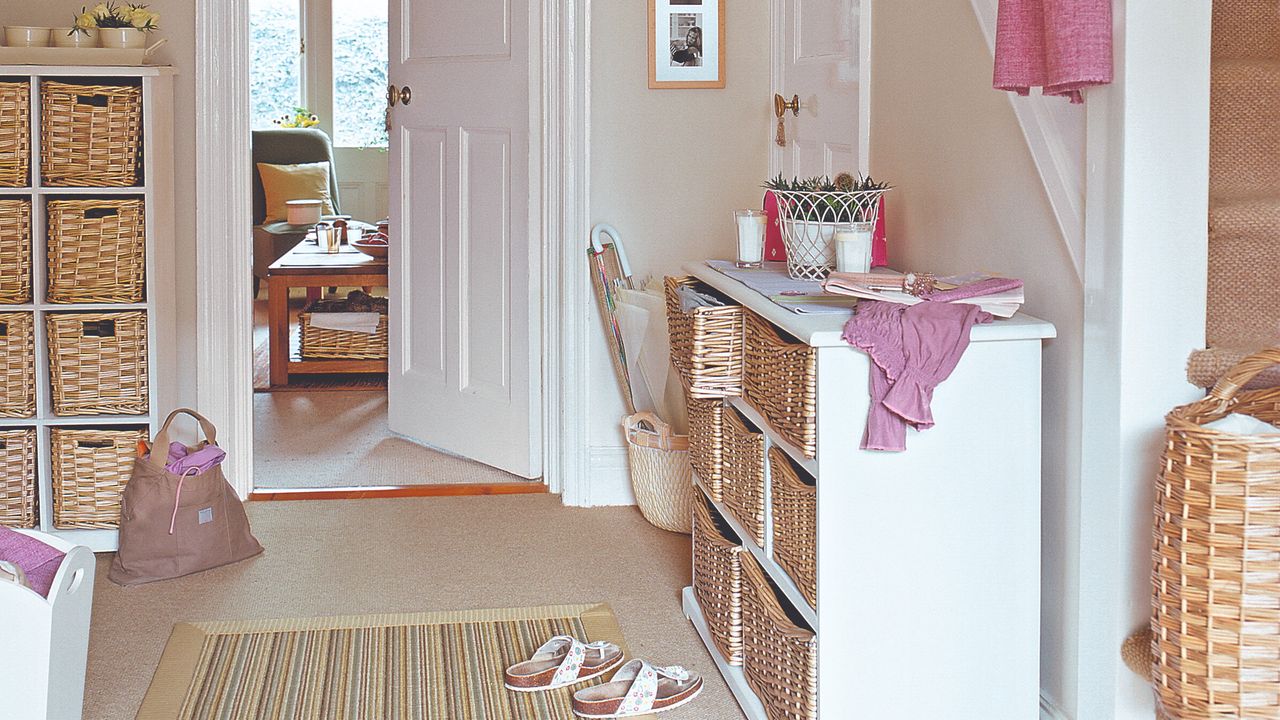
(750, 226)
(853, 248)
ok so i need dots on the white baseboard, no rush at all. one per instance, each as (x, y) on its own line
(1050, 711)
(609, 481)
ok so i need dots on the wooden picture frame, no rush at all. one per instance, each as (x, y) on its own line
(686, 44)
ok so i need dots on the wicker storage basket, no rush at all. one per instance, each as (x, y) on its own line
(98, 363)
(326, 344)
(717, 579)
(706, 342)
(661, 476)
(17, 365)
(795, 522)
(90, 469)
(780, 654)
(706, 442)
(1216, 577)
(18, 497)
(15, 250)
(15, 134)
(97, 251)
(743, 481)
(91, 134)
(781, 381)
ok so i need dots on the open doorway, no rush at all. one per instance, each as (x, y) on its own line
(334, 322)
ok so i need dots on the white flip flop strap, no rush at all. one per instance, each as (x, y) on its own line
(644, 689)
(571, 666)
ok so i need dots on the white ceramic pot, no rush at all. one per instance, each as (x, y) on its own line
(65, 37)
(122, 38)
(22, 36)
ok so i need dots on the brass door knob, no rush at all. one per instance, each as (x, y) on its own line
(393, 96)
(781, 105)
(406, 94)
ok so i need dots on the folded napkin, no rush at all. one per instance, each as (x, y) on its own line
(359, 322)
(183, 460)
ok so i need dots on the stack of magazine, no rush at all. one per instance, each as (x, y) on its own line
(999, 296)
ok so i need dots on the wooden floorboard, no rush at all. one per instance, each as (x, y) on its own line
(399, 491)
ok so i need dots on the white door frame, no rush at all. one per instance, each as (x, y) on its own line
(559, 123)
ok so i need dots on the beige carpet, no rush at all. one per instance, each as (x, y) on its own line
(340, 439)
(414, 555)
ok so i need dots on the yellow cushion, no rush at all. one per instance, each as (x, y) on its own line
(282, 183)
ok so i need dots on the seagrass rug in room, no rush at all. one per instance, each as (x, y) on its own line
(434, 666)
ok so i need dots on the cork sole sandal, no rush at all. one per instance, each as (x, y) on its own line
(560, 662)
(638, 688)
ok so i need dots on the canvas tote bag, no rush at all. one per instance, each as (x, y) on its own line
(173, 525)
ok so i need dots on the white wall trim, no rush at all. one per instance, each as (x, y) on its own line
(223, 251)
(610, 478)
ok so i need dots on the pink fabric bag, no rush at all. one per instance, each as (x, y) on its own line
(1062, 46)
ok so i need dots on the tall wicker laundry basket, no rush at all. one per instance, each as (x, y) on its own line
(1216, 577)
(661, 476)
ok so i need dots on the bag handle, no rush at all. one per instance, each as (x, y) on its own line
(655, 426)
(162, 437)
(1240, 375)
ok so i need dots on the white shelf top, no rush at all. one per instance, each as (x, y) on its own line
(88, 70)
(825, 330)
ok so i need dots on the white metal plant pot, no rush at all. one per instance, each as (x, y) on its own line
(809, 220)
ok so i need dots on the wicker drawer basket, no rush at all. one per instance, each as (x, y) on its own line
(90, 469)
(706, 343)
(15, 134)
(795, 522)
(97, 251)
(717, 579)
(743, 474)
(706, 442)
(17, 365)
(18, 497)
(91, 134)
(326, 344)
(781, 381)
(98, 363)
(780, 654)
(15, 250)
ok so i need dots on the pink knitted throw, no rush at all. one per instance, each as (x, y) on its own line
(1061, 46)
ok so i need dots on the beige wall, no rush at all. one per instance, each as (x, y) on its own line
(969, 197)
(668, 166)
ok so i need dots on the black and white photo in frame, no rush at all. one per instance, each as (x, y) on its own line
(686, 44)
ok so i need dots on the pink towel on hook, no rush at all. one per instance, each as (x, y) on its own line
(1062, 46)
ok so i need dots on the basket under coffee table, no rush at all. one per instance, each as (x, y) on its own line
(306, 266)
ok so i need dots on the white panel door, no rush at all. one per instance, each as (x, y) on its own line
(464, 333)
(819, 55)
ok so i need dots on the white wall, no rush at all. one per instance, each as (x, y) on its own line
(969, 197)
(667, 169)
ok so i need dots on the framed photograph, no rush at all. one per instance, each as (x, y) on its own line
(686, 44)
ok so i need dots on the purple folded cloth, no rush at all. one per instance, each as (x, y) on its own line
(185, 461)
(40, 562)
(990, 286)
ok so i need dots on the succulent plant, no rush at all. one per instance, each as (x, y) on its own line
(832, 202)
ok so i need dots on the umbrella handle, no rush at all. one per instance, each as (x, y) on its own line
(615, 239)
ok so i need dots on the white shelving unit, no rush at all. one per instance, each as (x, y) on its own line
(157, 193)
(929, 559)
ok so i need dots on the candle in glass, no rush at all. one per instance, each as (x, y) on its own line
(853, 248)
(750, 224)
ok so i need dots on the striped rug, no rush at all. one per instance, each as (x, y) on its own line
(433, 666)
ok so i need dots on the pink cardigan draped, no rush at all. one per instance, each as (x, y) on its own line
(1062, 46)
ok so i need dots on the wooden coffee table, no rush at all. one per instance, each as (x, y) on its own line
(306, 266)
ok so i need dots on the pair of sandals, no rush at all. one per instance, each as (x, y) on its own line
(637, 688)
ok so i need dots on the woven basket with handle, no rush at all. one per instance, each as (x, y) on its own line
(17, 365)
(15, 134)
(98, 363)
(717, 579)
(795, 522)
(1216, 579)
(781, 381)
(706, 342)
(329, 344)
(780, 654)
(706, 442)
(743, 481)
(91, 134)
(97, 251)
(15, 250)
(18, 477)
(661, 476)
(90, 470)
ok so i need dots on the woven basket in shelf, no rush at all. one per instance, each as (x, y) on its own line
(661, 476)
(90, 469)
(781, 381)
(326, 344)
(15, 134)
(706, 442)
(795, 523)
(743, 474)
(98, 363)
(97, 251)
(706, 342)
(18, 497)
(780, 654)
(15, 251)
(717, 579)
(1216, 576)
(17, 365)
(91, 135)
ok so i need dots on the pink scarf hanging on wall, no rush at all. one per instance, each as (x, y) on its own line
(1061, 46)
